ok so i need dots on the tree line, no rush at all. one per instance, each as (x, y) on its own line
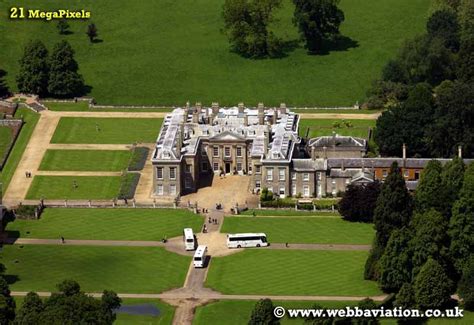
(428, 89)
(247, 25)
(424, 244)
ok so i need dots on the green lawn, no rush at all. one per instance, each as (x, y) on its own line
(5, 139)
(106, 130)
(108, 224)
(83, 106)
(303, 230)
(122, 269)
(359, 128)
(289, 212)
(61, 187)
(241, 310)
(291, 272)
(164, 318)
(177, 52)
(86, 160)
(30, 119)
(335, 111)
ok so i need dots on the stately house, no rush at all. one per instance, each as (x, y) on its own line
(196, 143)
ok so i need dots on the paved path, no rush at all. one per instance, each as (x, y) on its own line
(144, 190)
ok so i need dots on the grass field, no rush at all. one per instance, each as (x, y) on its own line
(335, 111)
(291, 272)
(61, 187)
(241, 310)
(108, 224)
(122, 269)
(303, 230)
(289, 212)
(164, 318)
(164, 61)
(85, 160)
(83, 106)
(30, 119)
(106, 130)
(360, 128)
(5, 139)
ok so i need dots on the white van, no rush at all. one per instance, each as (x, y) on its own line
(200, 255)
(189, 240)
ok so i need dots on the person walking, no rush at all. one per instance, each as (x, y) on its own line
(62, 240)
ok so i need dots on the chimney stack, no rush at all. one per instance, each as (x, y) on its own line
(325, 154)
(282, 108)
(460, 152)
(313, 152)
(196, 115)
(241, 107)
(261, 114)
(274, 117)
(246, 120)
(404, 151)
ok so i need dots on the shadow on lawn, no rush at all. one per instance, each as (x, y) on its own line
(11, 279)
(338, 44)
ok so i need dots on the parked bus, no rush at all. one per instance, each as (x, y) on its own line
(189, 239)
(246, 240)
(200, 255)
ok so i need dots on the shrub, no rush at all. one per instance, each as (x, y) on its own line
(138, 159)
(128, 185)
(27, 211)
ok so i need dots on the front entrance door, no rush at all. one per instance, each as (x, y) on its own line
(227, 168)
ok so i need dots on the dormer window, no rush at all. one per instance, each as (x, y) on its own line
(276, 155)
(166, 154)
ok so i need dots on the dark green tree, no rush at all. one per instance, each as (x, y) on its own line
(452, 178)
(358, 202)
(443, 24)
(69, 287)
(3, 85)
(465, 63)
(30, 310)
(371, 268)
(430, 192)
(64, 78)
(92, 32)
(461, 224)
(405, 298)
(366, 304)
(395, 263)
(394, 206)
(432, 286)
(110, 302)
(262, 313)
(62, 26)
(386, 94)
(7, 303)
(466, 19)
(317, 20)
(246, 24)
(429, 238)
(466, 285)
(34, 69)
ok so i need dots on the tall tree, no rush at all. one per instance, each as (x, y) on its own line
(429, 238)
(466, 19)
(30, 310)
(7, 303)
(3, 85)
(317, 20)
(443, 24)
(452, 178)
(358, 202)
(465, 67)
(432, 286)
(246, 23)
(34, 69)
(262, 313)
(92, 32)
(394, 206)
(395, 264)
(64, 78)
(430, 192)
(466, 285)
(461, 224)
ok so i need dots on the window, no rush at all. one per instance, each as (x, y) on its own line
(281, 174)
(250, 167)
(215, 166)
(258, 169)
(203, 150)
(417, 174)
(293, 176)
(384, 173)
(306, 177)
(188, 183)
(347, 181)
(406, 173)
(227, 151)
(172, 172)
(205, 166)
(306, 191)
(188, 168)
(159, 189)
(282, 190)
(172, 189)
(269, 174)
(215, 151)
(293, 190)
(159, 172)
(257, 184)
(319, 175)
(239, 151)
(239, 166)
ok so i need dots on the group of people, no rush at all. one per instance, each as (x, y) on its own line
(212, 220)
(28, 174)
